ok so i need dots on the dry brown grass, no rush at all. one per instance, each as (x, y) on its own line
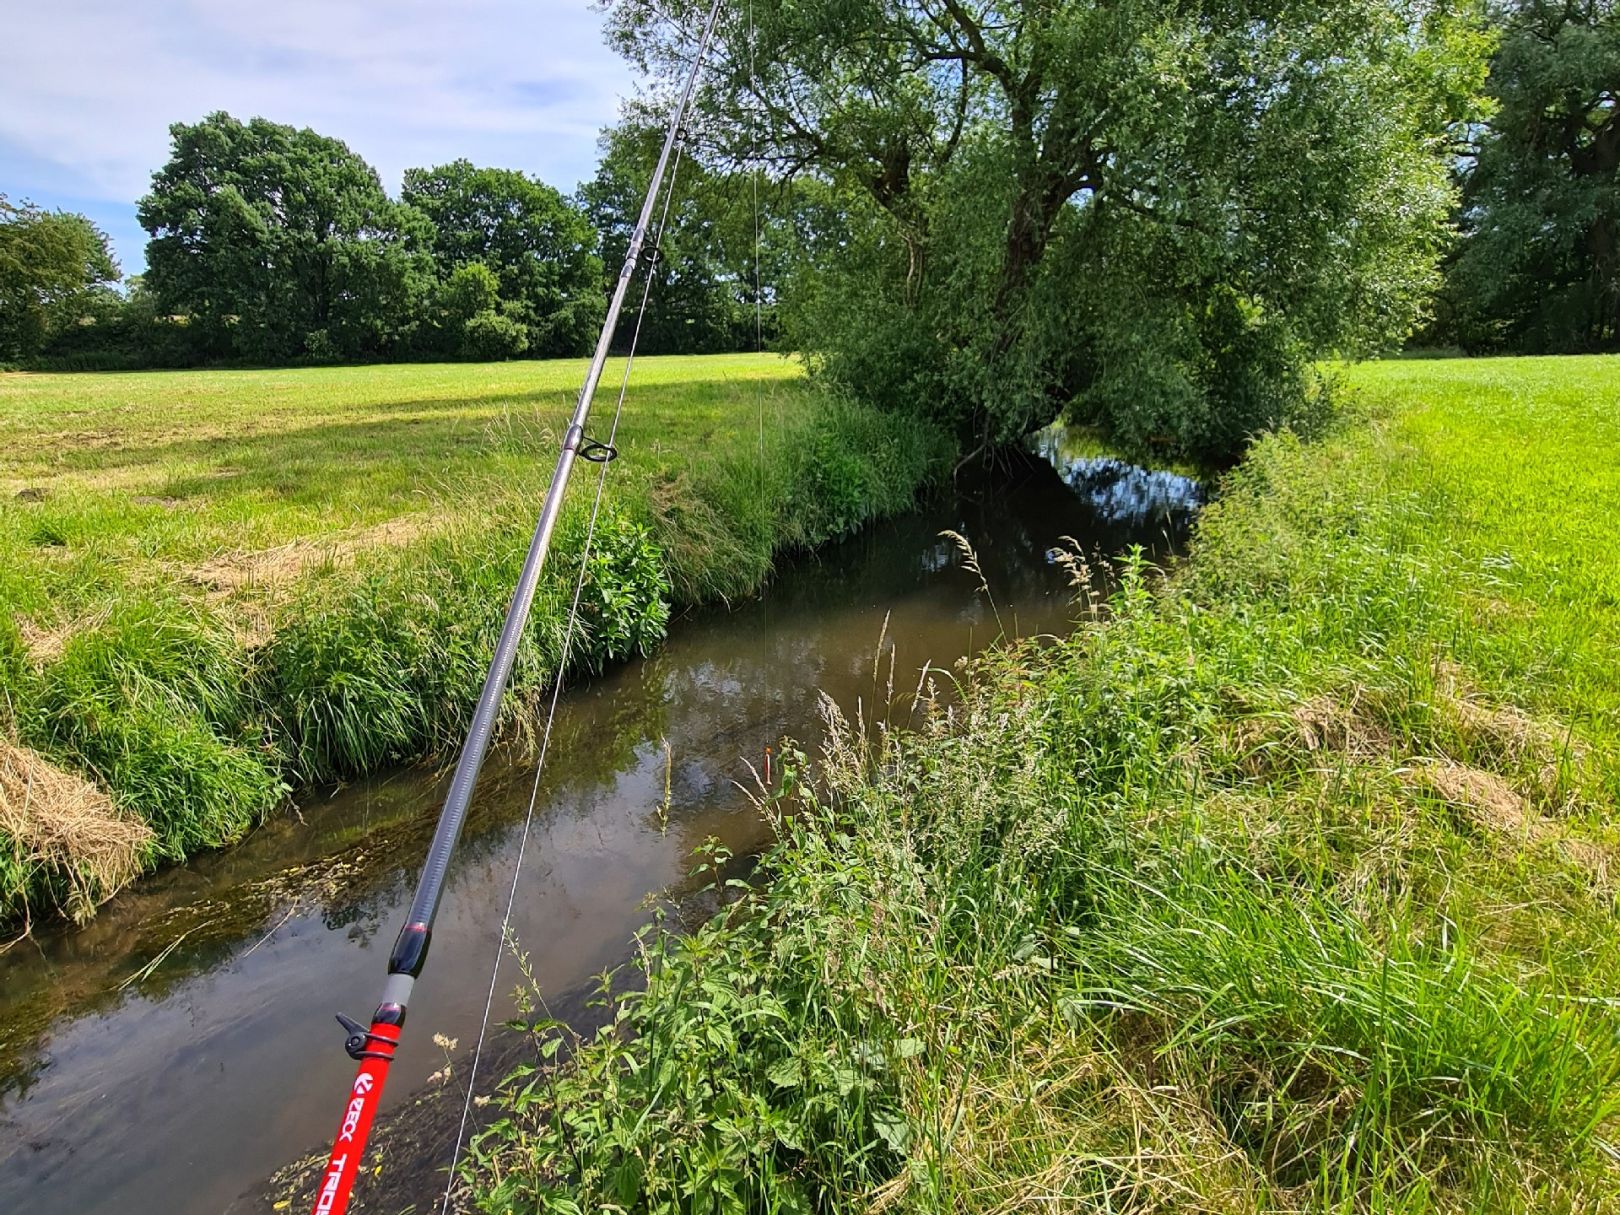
(44, 643)
(1058, 1126)
(1511, 779)
(60, 821)
(1487, 803)
(1330, 728)
(270, 567)
(1342, 725)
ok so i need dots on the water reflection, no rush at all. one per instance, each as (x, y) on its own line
(1123, 495)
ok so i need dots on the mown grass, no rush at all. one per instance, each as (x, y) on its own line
(1289, 886)
(222, 585)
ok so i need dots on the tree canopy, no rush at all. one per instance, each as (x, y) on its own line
(1152, 215)
(278, 242)
(50, 261)
(726, 245)
(1539, 265)
(540, 249)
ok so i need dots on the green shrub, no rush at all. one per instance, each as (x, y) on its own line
(488, 335)
(624, 601)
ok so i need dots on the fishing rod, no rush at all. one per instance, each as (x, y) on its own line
(373, 1048)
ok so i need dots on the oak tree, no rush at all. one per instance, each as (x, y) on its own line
(277, 242)
(539, 247)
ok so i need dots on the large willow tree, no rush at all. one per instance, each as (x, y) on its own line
(1151, 214)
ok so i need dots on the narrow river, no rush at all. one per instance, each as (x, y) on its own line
(172, 1054)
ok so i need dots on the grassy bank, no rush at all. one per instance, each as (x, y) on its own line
(218, 586)
(1290, 886)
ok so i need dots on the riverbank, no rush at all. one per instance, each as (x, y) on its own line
(1289, 887)
(231, 965)
(220, 586)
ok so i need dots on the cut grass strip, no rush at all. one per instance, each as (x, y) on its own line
(62, 837)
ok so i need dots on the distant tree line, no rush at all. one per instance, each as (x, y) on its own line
(271, 245)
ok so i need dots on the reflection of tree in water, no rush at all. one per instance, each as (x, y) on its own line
(1124, 493)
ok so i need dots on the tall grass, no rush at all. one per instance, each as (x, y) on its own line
(817, 474)
(156, 703)
(1283, 888)
(385, 668)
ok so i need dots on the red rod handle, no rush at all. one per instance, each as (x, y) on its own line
(343, 1166)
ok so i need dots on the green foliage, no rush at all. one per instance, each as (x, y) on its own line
(709, 1091)
(851, 463)
(113, 332)
(703, 296)
(263, 234)
(467, 291)
(1539, 266)
(52, 263)
(489, 335)
(624, 602)
(1282, 888)
(276, 245)
(386, 668)
(538, 247)
(155, 704)
(819, 474)
(1038, 206)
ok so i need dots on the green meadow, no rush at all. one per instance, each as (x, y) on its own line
(218, 587)
(1287, 883)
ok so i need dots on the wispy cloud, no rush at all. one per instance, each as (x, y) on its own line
(88, 88)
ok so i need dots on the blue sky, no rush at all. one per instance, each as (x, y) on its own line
(88, 88)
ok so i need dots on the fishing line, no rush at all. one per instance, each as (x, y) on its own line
(557, 685)
(759, 323)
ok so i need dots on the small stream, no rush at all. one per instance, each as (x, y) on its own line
(173, 1053)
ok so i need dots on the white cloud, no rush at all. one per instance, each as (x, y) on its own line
(88, 88)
